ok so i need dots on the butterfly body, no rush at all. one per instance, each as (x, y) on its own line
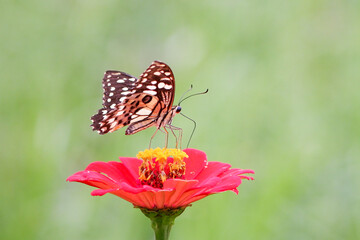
(140, 103)
(162, 121)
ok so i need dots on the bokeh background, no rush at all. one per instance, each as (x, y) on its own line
(284, 100)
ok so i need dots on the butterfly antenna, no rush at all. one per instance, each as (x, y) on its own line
(192, 133)
(207, 90)
(182, 96)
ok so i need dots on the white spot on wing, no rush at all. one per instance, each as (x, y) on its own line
(112, 89)
(113, 125)
(109, 99)
(125, 88)
(120, 81)
(168, 87)
(132, 79)
(104, 111)
(161, 85)
(111, 94)
(122, 99)
(144, 111)
(157, 73)
(153, 82)
(112, 105)
(119, 113)
(151, 87)
(139, 118)
(150, 92)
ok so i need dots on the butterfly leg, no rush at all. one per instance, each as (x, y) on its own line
(176, 137)
(153, 137)
(178, 140)
(172, 131)
(166, 137)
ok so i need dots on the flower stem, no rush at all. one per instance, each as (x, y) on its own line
(162, 220)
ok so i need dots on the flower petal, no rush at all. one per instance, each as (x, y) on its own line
(213, 169)
(194, 163)
(226, 183)
(132, 164)
(179, 186)
(92, 178)
(135, 199)
(116, 171)
(236, 171)
(194, 198)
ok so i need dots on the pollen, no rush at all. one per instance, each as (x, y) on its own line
(161, 164)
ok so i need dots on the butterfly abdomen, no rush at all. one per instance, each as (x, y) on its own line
(137, 127)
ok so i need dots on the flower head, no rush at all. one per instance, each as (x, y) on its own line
(161, 164)
(164, 178)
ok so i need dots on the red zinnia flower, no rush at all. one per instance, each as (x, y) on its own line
(165, 178)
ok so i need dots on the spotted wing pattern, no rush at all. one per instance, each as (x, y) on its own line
(116, 86)
(138, 102)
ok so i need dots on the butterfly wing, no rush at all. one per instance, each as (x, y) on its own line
(139, 103)
(116, 85)
(158, 83)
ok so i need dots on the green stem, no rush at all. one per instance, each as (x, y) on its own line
(162, 220)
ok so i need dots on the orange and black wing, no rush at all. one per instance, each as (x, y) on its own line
(139, 102)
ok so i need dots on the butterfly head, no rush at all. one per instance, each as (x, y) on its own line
(177, 109)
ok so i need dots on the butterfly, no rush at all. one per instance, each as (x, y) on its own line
(138, 103)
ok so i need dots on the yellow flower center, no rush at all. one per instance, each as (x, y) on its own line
(161, 164)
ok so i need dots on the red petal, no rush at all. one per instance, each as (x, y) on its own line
(209, 183)
(92, 178)
(116, 171)
(227, 183)
(195, 163)
(132, 164)
(238, 172)
(194, 199)
(180, 187)
(213, 169)
(130, 197)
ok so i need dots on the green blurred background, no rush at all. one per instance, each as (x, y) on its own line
(284, 100)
